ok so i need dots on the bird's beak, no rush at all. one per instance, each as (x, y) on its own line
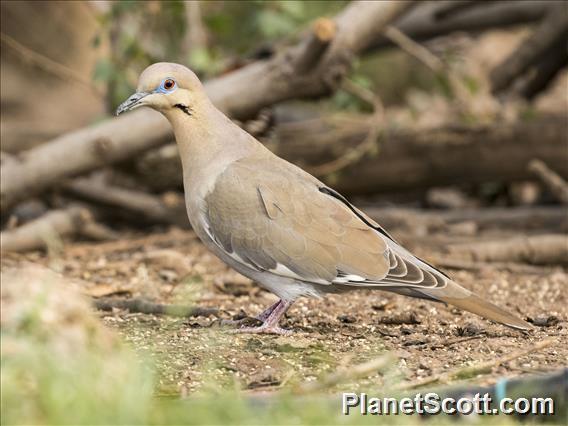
(132, 102)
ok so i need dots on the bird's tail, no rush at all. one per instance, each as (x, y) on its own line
(458, 296)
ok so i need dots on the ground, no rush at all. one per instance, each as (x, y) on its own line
(426, 339)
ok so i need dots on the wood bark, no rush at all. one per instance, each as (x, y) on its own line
(538, 250)
(47, 229)
(410, 159)
(520, 219)
(145, 206)
(240, 94)
(434, 19)
(552, 29)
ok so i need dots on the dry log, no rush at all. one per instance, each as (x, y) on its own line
(538, 250)
(144, 205)
(516, 268)
(557, 186)
(552, 29)
(434, 19)
(411, 160)
(543, 72)
(48, 229)
(522, 218)
(240, 94)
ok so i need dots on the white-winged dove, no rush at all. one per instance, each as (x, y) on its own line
(275, 223)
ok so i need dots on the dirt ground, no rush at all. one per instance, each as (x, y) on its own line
(329, 334)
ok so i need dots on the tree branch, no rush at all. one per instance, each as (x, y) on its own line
(240, 94)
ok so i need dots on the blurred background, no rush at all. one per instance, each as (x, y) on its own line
(445, 121)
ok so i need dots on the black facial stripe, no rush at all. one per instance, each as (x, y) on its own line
(184, 108)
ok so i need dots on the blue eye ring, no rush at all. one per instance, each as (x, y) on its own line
(168, 85)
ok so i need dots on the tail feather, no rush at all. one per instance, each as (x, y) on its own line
(458, 296)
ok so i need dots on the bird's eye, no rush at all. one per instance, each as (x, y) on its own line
(168, 84)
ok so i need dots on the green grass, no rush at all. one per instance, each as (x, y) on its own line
(61, 366)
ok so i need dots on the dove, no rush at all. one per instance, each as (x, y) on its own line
(275, 223)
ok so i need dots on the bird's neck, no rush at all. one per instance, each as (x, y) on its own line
(208, 142)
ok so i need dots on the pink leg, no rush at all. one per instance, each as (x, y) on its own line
(266, 313)
(261, 317)
(270, 325)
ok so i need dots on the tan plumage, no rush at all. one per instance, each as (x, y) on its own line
(277, 224)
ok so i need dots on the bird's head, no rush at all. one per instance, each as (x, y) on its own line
(165, 87)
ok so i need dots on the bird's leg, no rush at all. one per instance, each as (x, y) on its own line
(270, 325)
(247, 320)
(266, 313)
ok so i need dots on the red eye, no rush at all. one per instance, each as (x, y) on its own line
(169, 84)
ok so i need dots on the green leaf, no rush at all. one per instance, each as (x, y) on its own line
(104, 70)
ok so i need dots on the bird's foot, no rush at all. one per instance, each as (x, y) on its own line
(264, 329)
(246, 321)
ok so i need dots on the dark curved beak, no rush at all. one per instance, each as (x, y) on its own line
(131, 103)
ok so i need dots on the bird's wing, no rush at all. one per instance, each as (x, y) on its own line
(272, 220)
(288, 223)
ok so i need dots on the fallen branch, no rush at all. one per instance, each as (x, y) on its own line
(49, 229)
(411, 160)
(431, 19)
(538, 250)
(348, 373)
(142, 306)
(479, 266)
(554, 182)
(240, 94)
(146, 206)
(542, 72)
(480, 368)
(552, 28)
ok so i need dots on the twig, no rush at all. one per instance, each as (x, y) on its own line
(369, 143)
(414, 49)
(346, 373)
(554, 182)
(480, 368)
(142, 306)
(55, 68)
(451, 342)
(323, 31)
(424, 55)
